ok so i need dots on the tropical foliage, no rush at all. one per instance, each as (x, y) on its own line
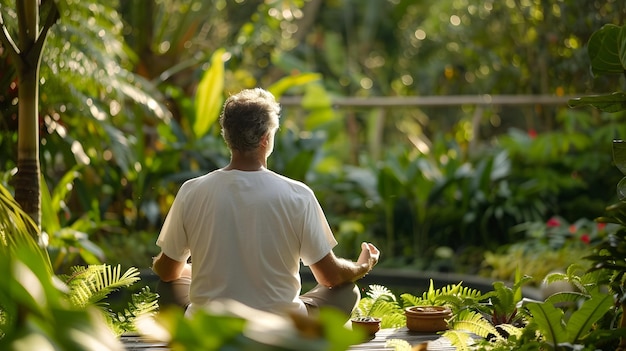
(416, 180)
(591, 314)
(40, 310)
(129, 94)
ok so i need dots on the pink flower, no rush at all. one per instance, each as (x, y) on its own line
(585, 238)
(553, 222)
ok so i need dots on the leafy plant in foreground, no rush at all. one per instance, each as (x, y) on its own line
(381, 302)
(38, 311)
(92, 284)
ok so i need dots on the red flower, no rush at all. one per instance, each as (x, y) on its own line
(553, 222)
(532, 133)
(572, 229)
(601, 226)
(585, 238)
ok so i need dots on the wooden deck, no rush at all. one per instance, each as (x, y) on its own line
(381, 342)
(425, 341)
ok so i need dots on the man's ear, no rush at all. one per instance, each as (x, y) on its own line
(265, 139)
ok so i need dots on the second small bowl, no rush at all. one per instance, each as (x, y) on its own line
(371, 325)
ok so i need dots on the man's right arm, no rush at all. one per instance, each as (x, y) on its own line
(169, 269)
(333, 271)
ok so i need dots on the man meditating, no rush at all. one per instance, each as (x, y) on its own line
(247, 228)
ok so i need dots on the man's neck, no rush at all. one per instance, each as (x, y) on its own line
(248, 162)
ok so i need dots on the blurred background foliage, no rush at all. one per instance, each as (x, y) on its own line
(130, 92)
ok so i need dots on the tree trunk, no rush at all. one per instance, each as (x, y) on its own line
(26, 56)
(27, 179)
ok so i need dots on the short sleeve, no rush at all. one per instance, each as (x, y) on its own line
(317, 237)
(172, 238)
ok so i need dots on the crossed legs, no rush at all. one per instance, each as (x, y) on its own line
(344, 297)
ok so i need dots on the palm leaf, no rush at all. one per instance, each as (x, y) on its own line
(17, 229)
(91, 284)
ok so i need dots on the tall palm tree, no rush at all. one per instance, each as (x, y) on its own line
(85, 84)
(25, 53)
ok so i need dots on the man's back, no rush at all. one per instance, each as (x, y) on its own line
(247, 232)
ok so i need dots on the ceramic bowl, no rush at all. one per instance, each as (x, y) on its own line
(427, 318)
(370, 325)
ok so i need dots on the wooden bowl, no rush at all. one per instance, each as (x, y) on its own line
(427, 318)
(370, 325)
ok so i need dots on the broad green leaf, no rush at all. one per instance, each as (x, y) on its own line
(606, 50)
(64, 187)
(315, 97)
(51, 202)
(390, 184)
(614, 102)
(49, 212)
(581, 321)
(319, 118)
(209, 96)
(319, 105)
(564, 298)
(279, 88)
(549, 320)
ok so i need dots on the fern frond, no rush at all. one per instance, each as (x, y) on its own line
(393, 321)
(474, 322)
(381, 302)
(363, 307)
(511, 330)
(391, 314)
(409, 300)
(453, 295)
(142, 303)
(398, 344)
(468, 292)
(382, 307)
(459, 339)
(376, 292)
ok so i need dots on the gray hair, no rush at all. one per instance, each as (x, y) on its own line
(247, 116)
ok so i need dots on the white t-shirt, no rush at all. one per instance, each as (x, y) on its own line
(246, 233)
